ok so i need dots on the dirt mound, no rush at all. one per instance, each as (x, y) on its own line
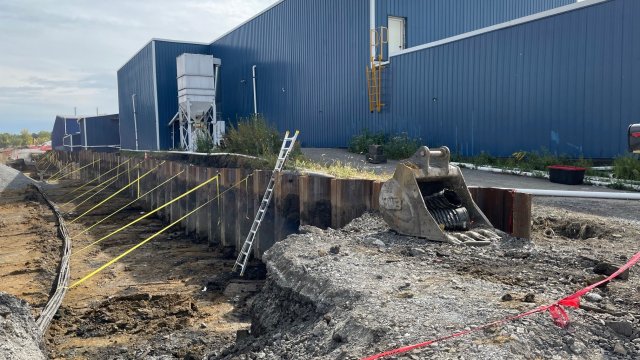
(139, 313)
(343, 294)
(19, 336)
(571, 228)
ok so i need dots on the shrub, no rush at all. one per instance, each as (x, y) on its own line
(252, 136)
(204, 143)
(401, 146)
(627, 168)
(359, 144)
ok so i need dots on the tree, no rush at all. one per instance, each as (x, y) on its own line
(44, 136)
(25, 137)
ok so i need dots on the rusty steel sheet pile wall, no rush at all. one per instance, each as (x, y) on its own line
(299, 199)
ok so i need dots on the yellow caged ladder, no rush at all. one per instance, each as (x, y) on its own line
(377, 40)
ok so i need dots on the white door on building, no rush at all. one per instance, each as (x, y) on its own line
(396, 34)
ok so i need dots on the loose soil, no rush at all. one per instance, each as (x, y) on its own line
(163, 300)
(29, 247)
(338, 294)
(156, 302)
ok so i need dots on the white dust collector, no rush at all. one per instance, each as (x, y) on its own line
(197, 115)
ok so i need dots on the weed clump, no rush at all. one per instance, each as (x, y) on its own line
(252, 136)
(529, 161)
(398, 146)
(359, 144)
(627, 168)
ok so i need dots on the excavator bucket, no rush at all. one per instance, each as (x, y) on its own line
(428, 198)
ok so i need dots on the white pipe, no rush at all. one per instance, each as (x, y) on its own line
(135, 120)
(582, 194)
(84, 124)
(255, 98)
(216, 135)
(372, 25)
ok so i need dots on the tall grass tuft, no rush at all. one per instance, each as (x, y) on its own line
(627, 168)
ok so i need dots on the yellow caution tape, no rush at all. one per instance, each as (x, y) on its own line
(117, 258)
(116, 193)
(101, 186)
(52, 177)
(76, 170)
(125, 206)
(145, 216)
(96, 178)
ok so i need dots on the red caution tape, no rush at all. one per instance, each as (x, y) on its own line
(556, 310)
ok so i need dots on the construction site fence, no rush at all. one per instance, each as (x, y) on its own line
(299, 199)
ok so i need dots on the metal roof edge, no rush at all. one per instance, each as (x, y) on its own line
(504, 25)
(248, 20)
(135, 54)
(161, 40)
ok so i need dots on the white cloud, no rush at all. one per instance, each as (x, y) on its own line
(57, 55)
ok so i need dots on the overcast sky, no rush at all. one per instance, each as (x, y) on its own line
(59, 54)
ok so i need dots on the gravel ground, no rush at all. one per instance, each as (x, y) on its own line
(344, 294)
(19, 338)
(12, 179)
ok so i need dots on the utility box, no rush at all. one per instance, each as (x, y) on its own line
(376, 155)
(634, 138)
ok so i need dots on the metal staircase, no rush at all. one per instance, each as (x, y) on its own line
(285, 150)
(377, 40)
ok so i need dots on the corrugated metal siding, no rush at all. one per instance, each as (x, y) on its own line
(431, 20)
(58, 131)
(311, 58)
(567, 83)
(166, 54)
(136, 77)
(101, 131)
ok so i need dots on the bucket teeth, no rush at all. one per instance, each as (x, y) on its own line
(478, 243)
(490, 234)
(477, 236)
(463, 237)
(453, 240)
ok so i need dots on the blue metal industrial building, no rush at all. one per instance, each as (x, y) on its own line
(496, 75)
(65, 133)
(149, 80)
(100, 133)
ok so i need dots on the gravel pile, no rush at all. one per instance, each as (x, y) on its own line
(344, 294)
(12, 179)
(19, 337)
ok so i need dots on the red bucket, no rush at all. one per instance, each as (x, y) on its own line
(568, 175)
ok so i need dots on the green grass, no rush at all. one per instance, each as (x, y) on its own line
(626, 168)
(524, 161)
(338, 169)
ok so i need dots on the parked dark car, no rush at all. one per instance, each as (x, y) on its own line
(634, 138)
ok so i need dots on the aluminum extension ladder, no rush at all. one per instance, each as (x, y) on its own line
(285, 150)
